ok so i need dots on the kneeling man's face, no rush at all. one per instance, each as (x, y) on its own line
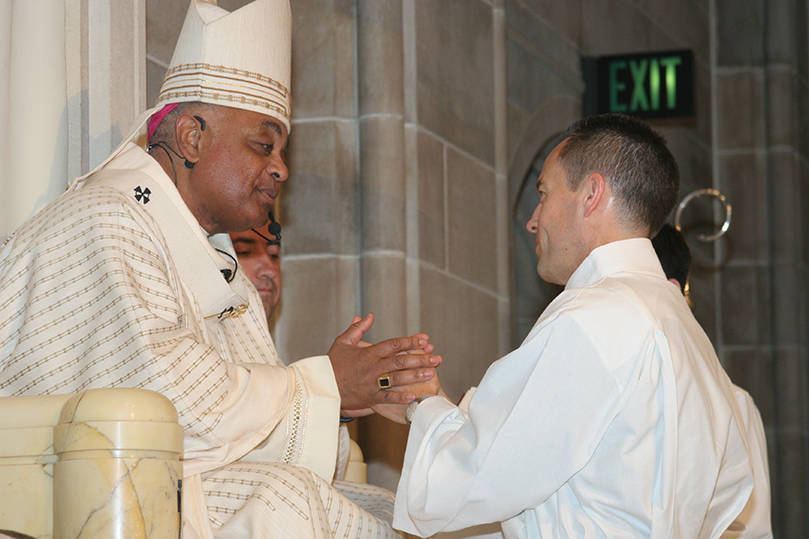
(557, 223)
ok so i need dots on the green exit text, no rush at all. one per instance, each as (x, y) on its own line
(646, 79)
(645, 84)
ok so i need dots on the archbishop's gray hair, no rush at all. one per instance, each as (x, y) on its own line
(165, 131)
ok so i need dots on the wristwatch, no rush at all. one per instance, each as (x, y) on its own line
(411, 408)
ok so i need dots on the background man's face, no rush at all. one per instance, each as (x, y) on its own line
(261, 262)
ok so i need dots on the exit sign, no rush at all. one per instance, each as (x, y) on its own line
(648, 85)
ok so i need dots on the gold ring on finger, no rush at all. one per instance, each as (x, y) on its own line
(384, 381)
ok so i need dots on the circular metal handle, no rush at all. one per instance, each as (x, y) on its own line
(713, 193)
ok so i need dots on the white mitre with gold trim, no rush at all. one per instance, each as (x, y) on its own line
(238, 59)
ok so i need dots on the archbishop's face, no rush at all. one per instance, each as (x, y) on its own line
(240, 169)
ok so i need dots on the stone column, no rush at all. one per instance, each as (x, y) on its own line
(319, 204)
(761, 155)
(455, 124)
(383, 282)
(106, 76)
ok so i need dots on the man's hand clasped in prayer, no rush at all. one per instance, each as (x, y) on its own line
(407, 361)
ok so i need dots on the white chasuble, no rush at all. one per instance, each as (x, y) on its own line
(115, 284)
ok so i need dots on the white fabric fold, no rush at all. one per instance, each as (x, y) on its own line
(613, 418)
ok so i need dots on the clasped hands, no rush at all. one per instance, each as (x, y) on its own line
(358, 365)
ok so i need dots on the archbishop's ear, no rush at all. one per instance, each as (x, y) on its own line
(187, 131)
(595, 194)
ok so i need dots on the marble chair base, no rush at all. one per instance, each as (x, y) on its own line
(102, 463)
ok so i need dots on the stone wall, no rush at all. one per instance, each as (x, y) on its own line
(760, 156)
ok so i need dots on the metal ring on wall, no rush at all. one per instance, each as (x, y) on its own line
(713, 193)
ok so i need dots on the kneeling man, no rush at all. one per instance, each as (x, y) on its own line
(614, 417)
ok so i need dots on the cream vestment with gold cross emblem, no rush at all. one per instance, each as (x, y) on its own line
(116, 285)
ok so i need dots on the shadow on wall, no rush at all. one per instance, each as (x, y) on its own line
(530, 294)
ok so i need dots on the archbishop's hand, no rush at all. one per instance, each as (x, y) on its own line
(357, 367)
(398, 412)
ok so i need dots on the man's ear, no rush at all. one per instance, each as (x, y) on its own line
(595, 193)
(187, 131)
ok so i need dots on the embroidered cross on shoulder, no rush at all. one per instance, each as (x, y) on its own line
(142, 195)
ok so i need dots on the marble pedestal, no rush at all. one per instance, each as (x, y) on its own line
(100, 464)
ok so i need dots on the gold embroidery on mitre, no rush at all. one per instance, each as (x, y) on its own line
(219, 96)
(195, 89)
(194, 69)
